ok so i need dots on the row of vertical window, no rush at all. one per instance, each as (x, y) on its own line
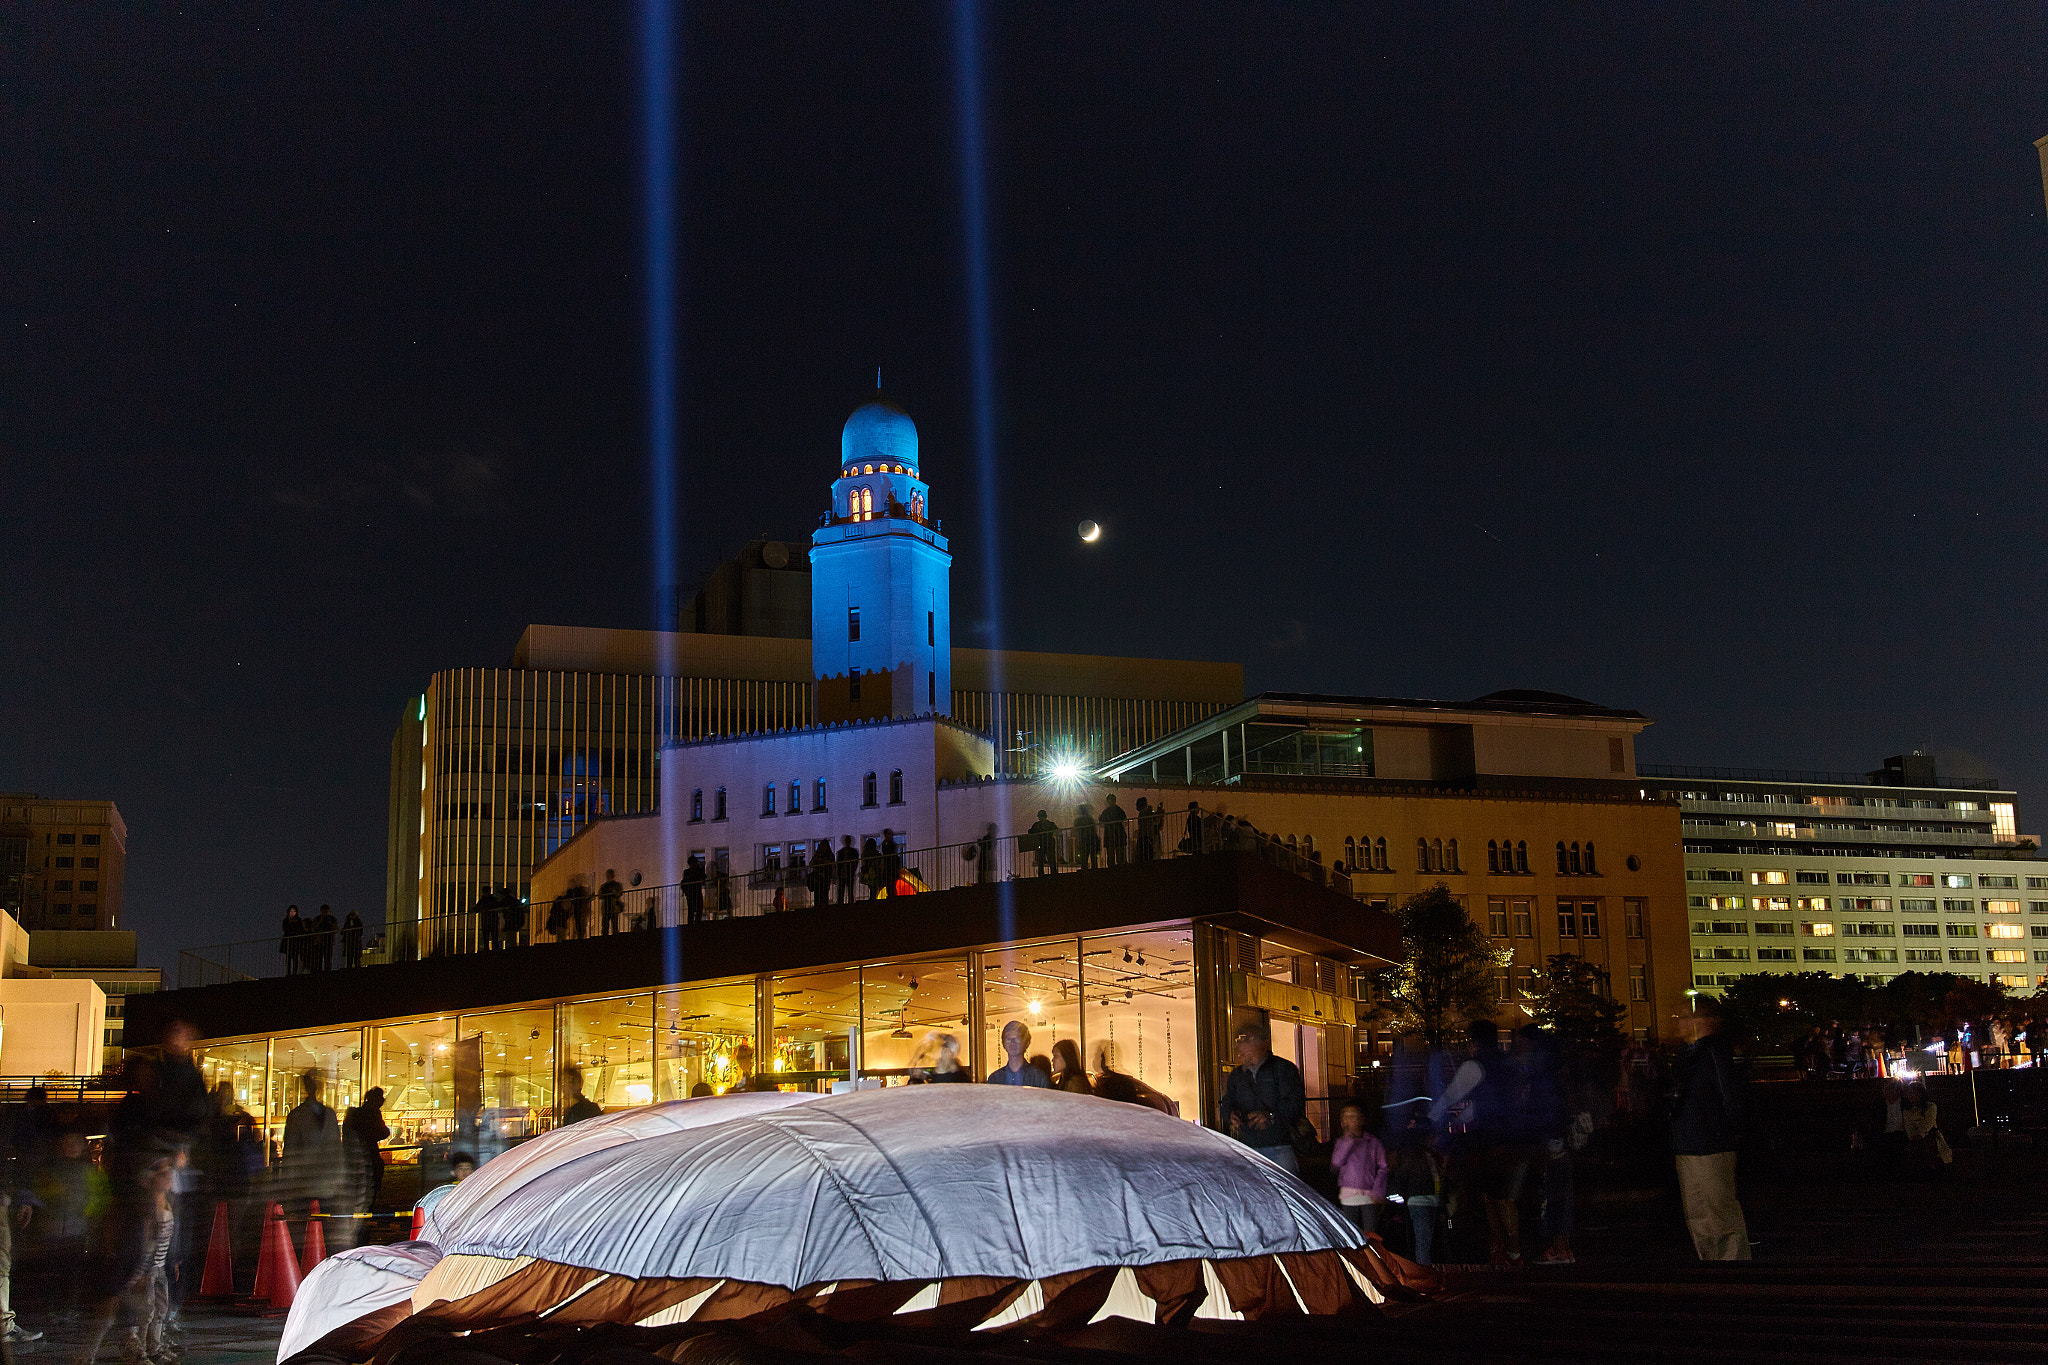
(771, 793)
(1575, 918)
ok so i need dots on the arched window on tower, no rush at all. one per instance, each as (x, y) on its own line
(1590, 869)
(1379, 854)
(867, 790)
(1350, 851)
(1573, 859)
(796, 796)
(1436, 855)
(917, 506)
(1493, 855)
(896, 787)
(1451, 857)
(1521, 856)
(1562, 866)
(718, 804)
(867, 504)
(1422, 855)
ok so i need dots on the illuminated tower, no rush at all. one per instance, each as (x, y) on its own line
(881, 632)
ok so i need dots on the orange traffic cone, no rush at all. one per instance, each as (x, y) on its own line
(419, 1220)
(277, 1269)
(314, 1248)
(219, 1280)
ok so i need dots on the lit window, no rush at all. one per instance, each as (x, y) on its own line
(796, 796)
(2001, 907)
(818, 795)
(1817, 930)
(867, 504)
(867, 469)
(2005, 931)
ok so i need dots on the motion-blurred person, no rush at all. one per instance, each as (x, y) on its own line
(937, 1061)
(1115, 835)
(1551, 1124)
(363, 1134)
(1087, 837)
(1360, 1163)
(1490, 1143)
(1415, 1181)
(129, 1279)
(611, 901)
(312, 1149)
(1264, 1099)
(74, 1196)
(352, 940)
(1114, 1084)
(1706, 1127)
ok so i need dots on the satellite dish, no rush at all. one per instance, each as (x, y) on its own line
(775, 555)
(1090, 532)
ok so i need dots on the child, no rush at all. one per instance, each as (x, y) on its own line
(1361, 1166)
(136, 1282)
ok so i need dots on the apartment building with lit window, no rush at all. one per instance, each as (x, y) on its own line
(1895, 870)
(61, 862)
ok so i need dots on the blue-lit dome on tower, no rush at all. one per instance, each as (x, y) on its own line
(881, 630)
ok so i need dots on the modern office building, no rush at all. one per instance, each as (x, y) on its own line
(61, 862)
(1857, 874)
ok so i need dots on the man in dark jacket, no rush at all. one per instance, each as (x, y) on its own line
(1263, 1099)
(1706, 1127)
(693, 889)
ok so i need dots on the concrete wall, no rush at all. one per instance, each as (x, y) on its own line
(1553, 749)
(51, 1026)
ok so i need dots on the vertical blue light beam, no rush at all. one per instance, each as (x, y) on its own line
(981, 357)
(658, 190)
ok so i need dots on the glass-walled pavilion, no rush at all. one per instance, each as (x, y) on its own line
(1156, 1002)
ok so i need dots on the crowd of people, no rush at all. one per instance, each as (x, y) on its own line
(114, 1246)
(308, 942)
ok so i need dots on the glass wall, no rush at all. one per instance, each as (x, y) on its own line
(1140, 1015)
(817, 1028)
(704, 1039)
(246, 1069)
(907, 1010)
(503, 1078)
(338, 1059)
(1038, 984)
(610, 1042)
(415, 1064)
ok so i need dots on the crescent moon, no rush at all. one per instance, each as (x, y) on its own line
(1090, 532)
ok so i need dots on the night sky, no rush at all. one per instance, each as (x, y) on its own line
(1681, 359)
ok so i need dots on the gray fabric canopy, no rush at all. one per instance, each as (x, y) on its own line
(923, 1182)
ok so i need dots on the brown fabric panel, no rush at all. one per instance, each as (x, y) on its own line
(959, 1287)
(627, 1301)
(358, 1339)
(1395, 1276)
(1071, 1298)
(1321, 1280)
(1256, 1288)
(1176, 1286)
(866, 1302)
(742, 1299)
(520, 1297)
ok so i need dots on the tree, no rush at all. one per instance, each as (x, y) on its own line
(1446, 972)
(1570, 998)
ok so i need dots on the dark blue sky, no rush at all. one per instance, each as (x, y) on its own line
(1682, 359)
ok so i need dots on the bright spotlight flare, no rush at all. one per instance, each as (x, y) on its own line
(1066, 771)
(1090, 532)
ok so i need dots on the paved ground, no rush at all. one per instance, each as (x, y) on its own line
(1853, 1267)
(210, 1337)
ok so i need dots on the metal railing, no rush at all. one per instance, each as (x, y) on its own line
(583, 912)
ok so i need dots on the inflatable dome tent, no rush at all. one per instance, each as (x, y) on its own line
(996, 1209)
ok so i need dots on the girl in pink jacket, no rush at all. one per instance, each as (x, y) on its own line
(1361, 1166)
